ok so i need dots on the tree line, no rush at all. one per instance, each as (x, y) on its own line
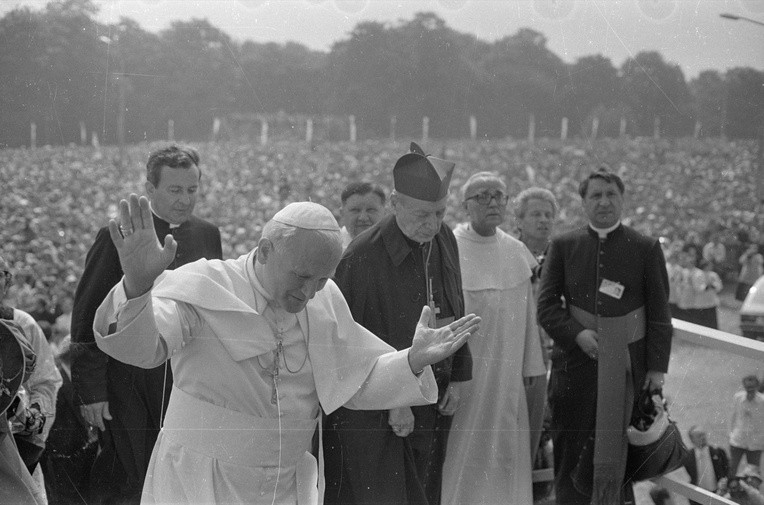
(69, 74)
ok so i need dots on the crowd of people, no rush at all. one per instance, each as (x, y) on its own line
(64, 267)
(56, 196)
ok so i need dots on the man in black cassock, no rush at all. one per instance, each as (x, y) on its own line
(407, 260)
(604, 301)
(125, 402)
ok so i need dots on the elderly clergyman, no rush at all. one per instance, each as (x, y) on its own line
(259, 345)
(408, 258)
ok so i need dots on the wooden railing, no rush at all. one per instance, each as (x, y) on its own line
(713, 339)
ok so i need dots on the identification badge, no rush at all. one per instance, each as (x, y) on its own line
(613, 289)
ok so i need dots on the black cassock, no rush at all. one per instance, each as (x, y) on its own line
(382, 276)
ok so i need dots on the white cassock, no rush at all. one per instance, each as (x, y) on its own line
(488, 456)
(229, 435)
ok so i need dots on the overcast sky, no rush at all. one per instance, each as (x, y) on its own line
(687, 32)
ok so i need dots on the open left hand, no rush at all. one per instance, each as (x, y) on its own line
(431, 345)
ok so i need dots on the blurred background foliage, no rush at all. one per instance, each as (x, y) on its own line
(60, 68)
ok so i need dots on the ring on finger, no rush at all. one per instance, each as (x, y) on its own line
(125, 230)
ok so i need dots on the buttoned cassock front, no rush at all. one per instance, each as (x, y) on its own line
(382, 275)
(577, 263)
(240, 447)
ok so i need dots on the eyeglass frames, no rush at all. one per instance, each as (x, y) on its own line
(485, 197)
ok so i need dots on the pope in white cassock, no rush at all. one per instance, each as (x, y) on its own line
(258, 346)
(488, 459)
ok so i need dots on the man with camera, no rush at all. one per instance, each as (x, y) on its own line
(707, 465)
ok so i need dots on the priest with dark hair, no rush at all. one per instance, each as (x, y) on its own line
(604, 301)
(407, 260)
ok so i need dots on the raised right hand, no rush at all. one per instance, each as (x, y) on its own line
(95, 413)
(140, 253)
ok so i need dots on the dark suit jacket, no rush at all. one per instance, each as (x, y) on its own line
(196, 239)
(719, 461)
(382, 278)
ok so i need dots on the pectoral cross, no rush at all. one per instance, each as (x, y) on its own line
(431, 302)
(275, 371)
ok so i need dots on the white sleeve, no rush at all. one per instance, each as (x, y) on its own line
(391, 384)
(143, 331)
(533, 358)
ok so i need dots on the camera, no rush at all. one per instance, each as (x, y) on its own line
(736, 490)
(734, 487)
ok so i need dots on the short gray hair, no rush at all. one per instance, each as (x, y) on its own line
(521, 201)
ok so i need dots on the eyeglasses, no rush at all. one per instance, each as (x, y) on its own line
(485, 197)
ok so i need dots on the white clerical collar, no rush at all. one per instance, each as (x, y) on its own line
(602, 232)
(172, 225)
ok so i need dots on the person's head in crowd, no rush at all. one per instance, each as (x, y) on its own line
(661, 496)
(421, 192)
(41, 304)
(535, 211)
(602, 196)
(172, 182)
(23, 279)
(297, 254)
(484, 196)
(363, 204)
(751, 249)
(66, 304)
(698, 436)
(6, 278)
(751, 385)
(690, 255)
